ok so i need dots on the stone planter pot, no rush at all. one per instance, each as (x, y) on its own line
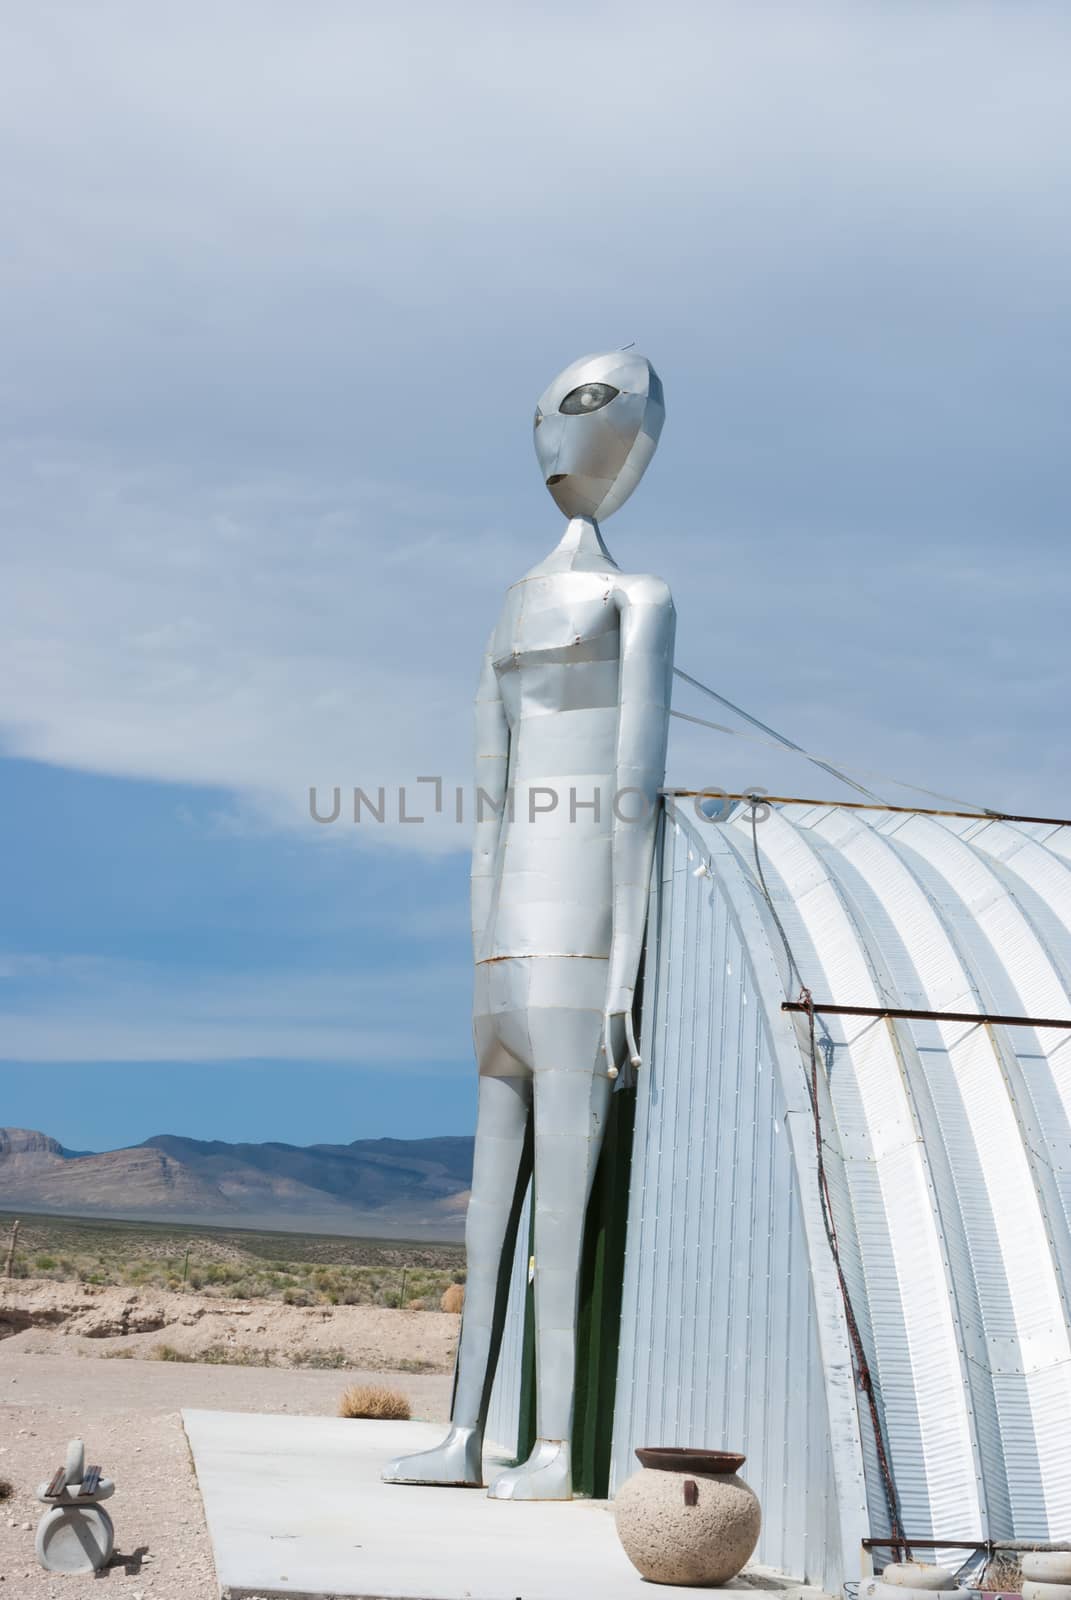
(686, 1517)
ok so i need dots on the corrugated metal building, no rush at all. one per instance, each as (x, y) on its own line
(947, 1157)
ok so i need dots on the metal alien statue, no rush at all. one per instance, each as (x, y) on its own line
(571, 725)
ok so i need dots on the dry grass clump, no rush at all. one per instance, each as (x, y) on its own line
(330, 1359)
(214, 1355)
(167, 1352)
(372, 1400)
(1003, 1572)
(454, 1298)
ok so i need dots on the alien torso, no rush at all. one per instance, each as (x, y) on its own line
(556, 656)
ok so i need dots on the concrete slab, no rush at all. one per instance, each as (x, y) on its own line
(295, 1508)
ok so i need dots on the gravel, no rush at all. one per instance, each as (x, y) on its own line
(127, 1412)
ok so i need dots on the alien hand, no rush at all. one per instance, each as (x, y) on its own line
(619, 1034)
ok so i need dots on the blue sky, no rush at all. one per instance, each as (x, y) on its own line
(283, 286)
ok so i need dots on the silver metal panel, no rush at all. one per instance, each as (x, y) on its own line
(986, 1100)
(719, 1338)
(948, 1158)
(889, 1187)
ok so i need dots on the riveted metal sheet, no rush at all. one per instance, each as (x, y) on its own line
(954, 1162)
(719, 1340)
(947, 1153)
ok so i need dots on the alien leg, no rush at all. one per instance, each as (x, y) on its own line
(499, 1180)
(571, 1108)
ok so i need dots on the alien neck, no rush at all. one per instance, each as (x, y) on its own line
(581, 550)
(583, 537)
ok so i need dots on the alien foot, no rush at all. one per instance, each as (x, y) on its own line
(546, 1475)
(457, 1462)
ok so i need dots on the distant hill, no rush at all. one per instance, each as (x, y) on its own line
(380, 1186)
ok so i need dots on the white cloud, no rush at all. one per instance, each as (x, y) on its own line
(266, 639)
(260, 638)
(285, 282)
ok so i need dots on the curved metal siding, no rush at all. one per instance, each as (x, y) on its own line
(948, 1155)
(947, 1149)
(972, 948)
(719, 1335)
(884, 1211)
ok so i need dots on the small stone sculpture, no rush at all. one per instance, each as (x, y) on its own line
(76, 1534)
(687, 1518)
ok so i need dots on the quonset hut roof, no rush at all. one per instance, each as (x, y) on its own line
(947, 1154)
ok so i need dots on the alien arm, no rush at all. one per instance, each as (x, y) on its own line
(492, 774)
(648, 623)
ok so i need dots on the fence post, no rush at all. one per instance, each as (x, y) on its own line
(11, 1250)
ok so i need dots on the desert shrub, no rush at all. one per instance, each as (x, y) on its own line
(372, 1400)
(453, 1299)
(234, 1355)
(416, 1305)
(215, 1355)
(331, 1358)
(167, 1352)
(318, 1270)
(219, 1272)
(6, 1489)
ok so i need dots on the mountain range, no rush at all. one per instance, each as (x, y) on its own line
(393, 1187)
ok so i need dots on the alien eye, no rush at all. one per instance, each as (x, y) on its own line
(589, 397)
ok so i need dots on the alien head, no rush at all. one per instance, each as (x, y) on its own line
(596, 428)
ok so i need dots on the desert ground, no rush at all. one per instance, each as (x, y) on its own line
(238, 1263)
(114, 1365)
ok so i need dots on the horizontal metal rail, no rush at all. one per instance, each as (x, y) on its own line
(1022, 1545)
(865, 805)
(907, 1014)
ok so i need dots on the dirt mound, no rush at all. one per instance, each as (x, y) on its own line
(49, 1318)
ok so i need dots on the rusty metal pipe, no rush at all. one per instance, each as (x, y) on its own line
(865, 805)
(907, 1014)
